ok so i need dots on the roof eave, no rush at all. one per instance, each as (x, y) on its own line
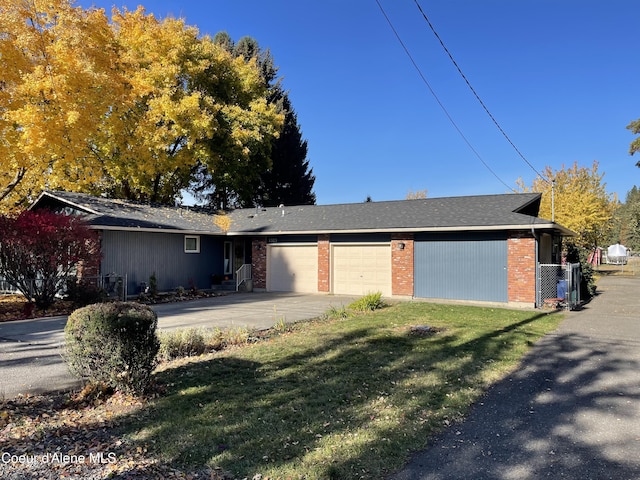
(466, 228)
(115, 228)
(65, 201)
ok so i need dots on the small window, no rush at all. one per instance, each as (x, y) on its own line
(191, 244)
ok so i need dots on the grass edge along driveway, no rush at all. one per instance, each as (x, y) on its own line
(334, 398)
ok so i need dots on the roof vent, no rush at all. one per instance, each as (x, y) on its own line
(282, 207)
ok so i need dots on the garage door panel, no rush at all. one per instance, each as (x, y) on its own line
(461, 270)
(361, 269)
(292, 268)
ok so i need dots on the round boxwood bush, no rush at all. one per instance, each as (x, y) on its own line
(113, 343)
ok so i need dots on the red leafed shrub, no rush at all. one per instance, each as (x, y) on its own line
(38, 249)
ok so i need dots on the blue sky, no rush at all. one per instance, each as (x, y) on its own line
(559, 76)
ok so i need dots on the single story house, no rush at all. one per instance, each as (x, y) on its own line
(472, 248)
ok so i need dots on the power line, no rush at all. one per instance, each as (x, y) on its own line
(504, 134)
(426, 82)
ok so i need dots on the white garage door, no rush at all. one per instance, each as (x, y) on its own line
(361, 269)
(292, 268)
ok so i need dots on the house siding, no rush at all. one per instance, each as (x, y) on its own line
(141, 254)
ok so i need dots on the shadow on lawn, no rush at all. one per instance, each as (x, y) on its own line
(246, 417)
(545, 420)
(571, 411)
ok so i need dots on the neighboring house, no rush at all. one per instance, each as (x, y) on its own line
(477, 248)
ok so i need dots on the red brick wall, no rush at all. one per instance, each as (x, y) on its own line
(259, 262)
(522, 268)
(323, 263)
(402, 264)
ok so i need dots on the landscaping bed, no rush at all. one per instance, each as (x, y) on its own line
(16, 307)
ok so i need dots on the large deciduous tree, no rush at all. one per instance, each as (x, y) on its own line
(39, 249)
(59, 79)
(153, 137)
(195, 107)
(580, 201)
(285, 176)
(241, 148)
(135, 107)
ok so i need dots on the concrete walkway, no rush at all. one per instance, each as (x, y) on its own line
(572, 411)
(30, 350)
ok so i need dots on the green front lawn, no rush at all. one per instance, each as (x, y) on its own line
(335, 398)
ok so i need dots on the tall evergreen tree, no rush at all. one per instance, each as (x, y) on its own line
(626, 222)
(222, 39)
(289, 181)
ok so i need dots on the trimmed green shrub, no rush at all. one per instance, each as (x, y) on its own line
(113, 343)
(153, 285)
(368, 303)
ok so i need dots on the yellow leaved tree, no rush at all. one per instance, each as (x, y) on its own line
(580, 201)
(58, 81)
(153, 137)
(135, 107)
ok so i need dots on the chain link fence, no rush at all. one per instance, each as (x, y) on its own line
(559, 285)
(111, 286)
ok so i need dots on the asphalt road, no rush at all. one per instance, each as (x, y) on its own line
(572, 411)
(31, 350)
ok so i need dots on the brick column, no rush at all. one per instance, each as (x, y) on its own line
(402, 264)
(323, 263)
(259, 262)
(521, 268)
(91, 267)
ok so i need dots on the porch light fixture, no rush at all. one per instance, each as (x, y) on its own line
(401, 246)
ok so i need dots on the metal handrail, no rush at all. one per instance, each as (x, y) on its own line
(243, 274)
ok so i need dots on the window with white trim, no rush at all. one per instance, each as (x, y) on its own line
(192, 244)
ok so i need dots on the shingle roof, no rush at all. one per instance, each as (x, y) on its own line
(471, 212)
(485, 212)
(105, 212)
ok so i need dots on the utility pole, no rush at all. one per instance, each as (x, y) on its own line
(553, 201)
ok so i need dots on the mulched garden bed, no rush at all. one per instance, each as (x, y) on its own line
(78, 436)
(15, 307)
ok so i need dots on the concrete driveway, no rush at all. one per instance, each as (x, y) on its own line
(30, 350)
